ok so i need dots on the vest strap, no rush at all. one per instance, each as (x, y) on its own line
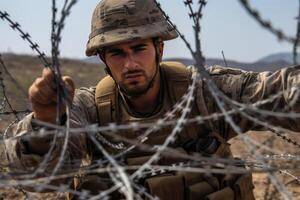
(105, 98)
(176, 74)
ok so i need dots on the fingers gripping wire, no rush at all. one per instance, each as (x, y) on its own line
(111, 164)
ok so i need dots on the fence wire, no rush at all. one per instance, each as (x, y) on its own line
(278, 165)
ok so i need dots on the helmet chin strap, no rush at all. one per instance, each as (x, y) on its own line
(151, 83)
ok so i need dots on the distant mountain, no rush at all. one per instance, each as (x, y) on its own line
(284, 56)
(256, 66)
(92, 60)
(268, 63)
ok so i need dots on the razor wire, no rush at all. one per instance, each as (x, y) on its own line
(114, 167)
(266, 24)
(277, 32)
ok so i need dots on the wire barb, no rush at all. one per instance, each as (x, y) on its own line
(263, 156)
(265, 23)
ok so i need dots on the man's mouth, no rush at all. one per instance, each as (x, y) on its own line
(133, 76)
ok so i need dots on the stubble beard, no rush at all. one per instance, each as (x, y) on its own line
(135, 89)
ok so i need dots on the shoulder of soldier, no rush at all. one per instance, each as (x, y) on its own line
(175, 70)
(221, 70)
(229, 80)
(85, 96)
(104, 89)
(178, 68)
(85, 91)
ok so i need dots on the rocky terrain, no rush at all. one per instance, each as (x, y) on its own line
(26, 68)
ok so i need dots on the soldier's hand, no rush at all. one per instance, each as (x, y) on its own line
(43, 96)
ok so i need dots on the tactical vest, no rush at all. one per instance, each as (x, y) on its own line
(180, 185)
(110, 107)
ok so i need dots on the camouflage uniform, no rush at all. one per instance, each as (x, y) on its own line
(116, 21)
(241, 86)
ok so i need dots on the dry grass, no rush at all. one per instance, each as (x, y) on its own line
(260, 180)
(26, 68)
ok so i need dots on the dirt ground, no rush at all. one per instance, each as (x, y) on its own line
(263, 190)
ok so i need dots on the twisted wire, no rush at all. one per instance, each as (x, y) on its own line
(266, 24)
(124, 183)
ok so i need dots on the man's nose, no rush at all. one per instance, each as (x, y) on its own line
(130, 63)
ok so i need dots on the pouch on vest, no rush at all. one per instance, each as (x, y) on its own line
(91, 183)
(199, 190)
(167, 187)
(164, 160)
(169, 159)
(137, 160)
(191, 178)
(243, 187)
(199, 185)
(224, 194)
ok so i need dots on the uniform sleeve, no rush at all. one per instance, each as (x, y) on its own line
(23, 136)
(266, 91)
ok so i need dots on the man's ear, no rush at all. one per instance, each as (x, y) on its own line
(101, 55)
(161, 50)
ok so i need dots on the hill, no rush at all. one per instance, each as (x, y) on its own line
(258, 66)
(25, 69)
(255, 66)
(282, 56)
(83, 73)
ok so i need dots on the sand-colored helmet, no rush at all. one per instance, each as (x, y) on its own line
(116, 21)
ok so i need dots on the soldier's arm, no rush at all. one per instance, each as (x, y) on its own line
(22, 148)
(256, 90)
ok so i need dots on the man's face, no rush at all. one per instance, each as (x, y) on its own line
(132, 64)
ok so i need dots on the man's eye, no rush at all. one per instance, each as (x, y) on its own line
(139, 49)
(116, 53)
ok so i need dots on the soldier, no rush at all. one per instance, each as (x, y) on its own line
(128, 36)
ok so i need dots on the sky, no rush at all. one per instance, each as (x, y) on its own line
(225, 27)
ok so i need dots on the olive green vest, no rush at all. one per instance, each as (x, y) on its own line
(182, 185)
(177, 78)
(111, 108)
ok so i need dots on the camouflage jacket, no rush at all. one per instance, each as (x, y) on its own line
(255, 90)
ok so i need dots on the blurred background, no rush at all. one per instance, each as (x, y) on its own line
(225, 27)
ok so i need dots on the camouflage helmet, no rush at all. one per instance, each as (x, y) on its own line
(116, 21)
